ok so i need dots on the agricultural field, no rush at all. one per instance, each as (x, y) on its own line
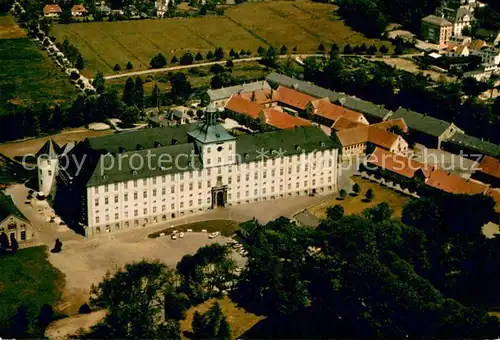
(300, 24)
(199, 77)
(28, 77)
(9, 28)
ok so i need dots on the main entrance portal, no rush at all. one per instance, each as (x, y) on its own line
(219, 196)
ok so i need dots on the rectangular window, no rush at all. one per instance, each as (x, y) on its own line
(209, 161)
(144, 182)
(181, 187)
(135, 195)
(163, 191)
(96, 190)
(208, 150)
(273, 162)
(172, 206)
(256, 176)
(247, 177)
(230, 147)
(182, 205)
(126, 214)
(116, 216)
(219, 160)
(199, 201)
(145, 211)
(106, 188)
(163, 207)
(281, 172)
(255, 192)
(163, 179)
(247, 193)
(190, 186)
(125, 197)
(154, 192)
(199, 184)
(154, 210)
(219, 171)
(145, 194)
(96, 202)
(116, 199)
(181, 177)
(229, 180)
(264, 174)
(289, 170)
(289, 185)
(106, 200)
(209, 184)
(125, 185)
(172, 189)
(305, 183)
(135, 183)
(190, 203)
(281, 187)
(238, 179)
(263, 190)
(154, 180)
(106, 218)
(273, 173)
(97, 219)
(136, 212)
(116, 186)
(209, 172)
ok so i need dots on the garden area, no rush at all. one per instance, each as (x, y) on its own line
(225, 227)
(355, 204)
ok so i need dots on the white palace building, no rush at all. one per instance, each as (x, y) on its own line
(148, 176)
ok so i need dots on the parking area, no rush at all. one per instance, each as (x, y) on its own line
(86, 262)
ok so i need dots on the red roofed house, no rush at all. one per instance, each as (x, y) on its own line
(488, 171)
(283, 120)
(51, 11)
(293, 100)
(355, 141)
(244, 106)
(326, 113)
(266, 97)
(453, 184)
(344, 124)
(78, 11)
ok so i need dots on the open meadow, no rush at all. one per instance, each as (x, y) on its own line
(28, 77)
(299, 24)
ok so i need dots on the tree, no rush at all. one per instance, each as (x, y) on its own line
(133, 297)
(369, 195)
(130, 66)
(210, 55)
(233, 54)
(261, 51)
(334, 51)
(383, 49)
(139, 93)
(174, 60)
(372, 50)
(342, 193)
(4, 242)
(398, 50)
(211, 325)
(130, 115)
(229, 63)
(356, 188)
(84, 309)
(379, 213)
(158, 61)
(321, 48)
(198, 56)
(99, 82)
(347, 49)
(270, 58)
(155, 96)
(186, 59)
(176, 305)
(117, 68)
(472, 87)
(335, 213)
(80, 63)
(283, 50)
(242, 53)
(219, 53)
(129, 92)
(181, 87)
(65, 17)
(46, 315)
(217, 69)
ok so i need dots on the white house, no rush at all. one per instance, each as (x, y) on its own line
(490, 55)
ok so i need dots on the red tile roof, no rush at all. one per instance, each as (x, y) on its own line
(495, 194)
(344, 124)
(261, 97)
(388, 124)
(325, 109)
(48, 9)
(365, 134)
(283, 120)
(490, 166)
(396, 163)
(293, 98)
(78, 9)
(454, 184)
(241, 105)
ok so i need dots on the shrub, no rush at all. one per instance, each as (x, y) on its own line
(84, 309)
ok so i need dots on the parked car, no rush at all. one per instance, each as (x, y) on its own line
(174, 237)
(214, 235)
(181, 235)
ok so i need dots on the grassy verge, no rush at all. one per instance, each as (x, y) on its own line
(27, 278)
(356, 204)
(225, 227)
(239, 320)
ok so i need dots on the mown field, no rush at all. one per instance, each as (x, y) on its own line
(28, 77)
(299, 24)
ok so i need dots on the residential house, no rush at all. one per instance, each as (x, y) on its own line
(460, 17)
(490, 55)
(455, 51)
(490, 36)
(454, 184)
(373, 113)
(244, 106)
(460, 40)
(436, 30)
(425, 129)
(343, 123)
(325, 113)
(12, 220)
(52, 11)
(221, 96)
(488, 171)
(292, 100)
(470, 146)
(282, 120)
(355, 142)
(78, 11)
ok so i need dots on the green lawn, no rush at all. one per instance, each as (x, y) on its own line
(28, 278)
(300, 24)
(28, 77)
(226, 227)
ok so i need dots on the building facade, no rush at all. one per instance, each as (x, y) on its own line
(12, 221)
(210, 168)
(436, 29)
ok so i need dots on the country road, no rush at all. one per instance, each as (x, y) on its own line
(182, 67)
